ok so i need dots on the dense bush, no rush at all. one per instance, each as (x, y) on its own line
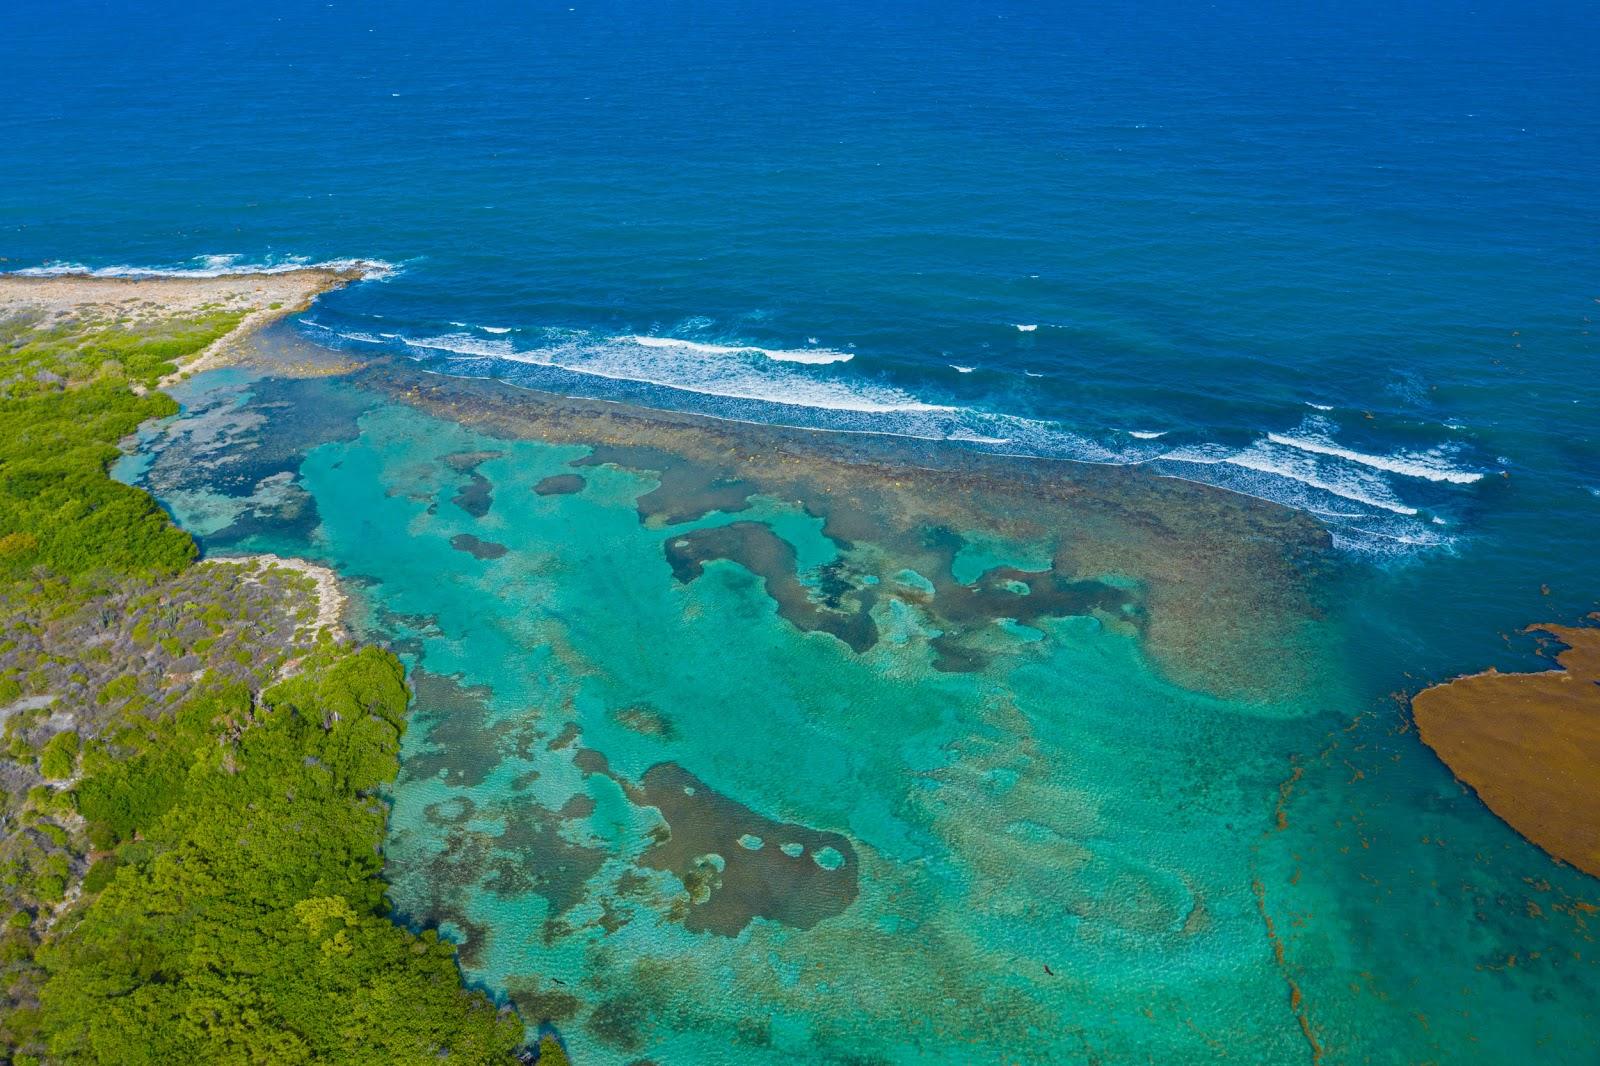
(252, 927)
(58, 509)
(59, 757)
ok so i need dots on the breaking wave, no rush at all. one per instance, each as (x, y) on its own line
(213, 266)
(1372, 502)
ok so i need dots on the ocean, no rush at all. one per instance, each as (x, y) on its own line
(1341, 260)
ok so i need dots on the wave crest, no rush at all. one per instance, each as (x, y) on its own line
(1377, 503)
(214, 266)
(811, 356)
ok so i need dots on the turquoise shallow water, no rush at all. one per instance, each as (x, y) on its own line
(663, 818)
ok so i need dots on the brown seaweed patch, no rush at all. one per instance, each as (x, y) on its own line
(478, 549)
(561, 485)
(739, 865)
(758, 549)
(1529, 745)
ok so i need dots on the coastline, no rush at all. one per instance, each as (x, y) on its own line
(1225, 572)
(263, 298)
(1224, 593)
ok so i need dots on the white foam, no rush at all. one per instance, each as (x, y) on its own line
(1320, 406)
(737, 373)
(460, 344)
(1026, 329)
(813, 356)
(1369, 493)
(495, 329)
(352, 335)
(962, 369)
(1147, 434)
(1430, 466)
(213, 266)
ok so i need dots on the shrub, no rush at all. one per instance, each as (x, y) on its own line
(59, 757)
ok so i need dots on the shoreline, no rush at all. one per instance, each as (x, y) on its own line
(263, 298)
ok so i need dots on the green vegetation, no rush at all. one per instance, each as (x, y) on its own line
(251, 927)
(66, 400)
(42, 357)
(59, 756)
(189, 821)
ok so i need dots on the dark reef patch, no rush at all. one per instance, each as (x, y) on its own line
(477, 495)
(478, 549)
(533, 854)
(735, 864)
(454, 718)
(686, 491)
(617, 1022)
(561, 485)
(220, 448)
(452, 811)
(842, 602)
(760, 881)
(469, 461)
(758, 549)
(646, 720)
(537, 1004)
